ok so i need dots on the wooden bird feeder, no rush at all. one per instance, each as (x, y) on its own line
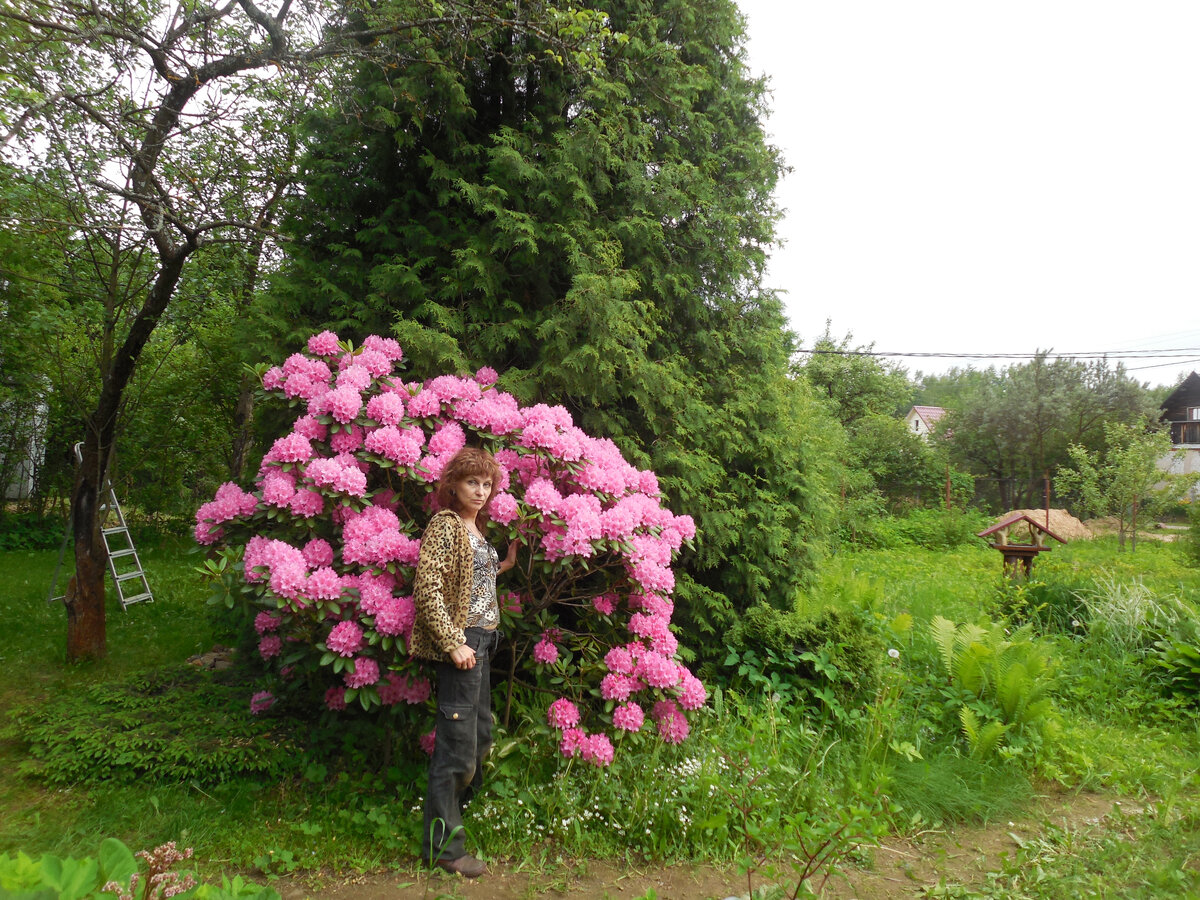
(1020, 538)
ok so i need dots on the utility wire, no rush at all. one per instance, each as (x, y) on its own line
(1180, 352)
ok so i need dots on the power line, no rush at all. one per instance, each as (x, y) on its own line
(1176, 352)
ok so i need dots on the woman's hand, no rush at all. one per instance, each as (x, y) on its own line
(510, 558)
(463, 657)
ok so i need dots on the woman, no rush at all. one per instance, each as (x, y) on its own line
(457, 616)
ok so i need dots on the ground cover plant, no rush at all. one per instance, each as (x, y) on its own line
(765, 778)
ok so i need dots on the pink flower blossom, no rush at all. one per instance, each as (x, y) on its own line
(672, 725)
(545, 652)
(562, 714)
(270, 646)
(503, 508)
(366, 672)
(261, 702)
(347, 441)
(657, 671)
(597, 749)
(386, 409)
(273, 379)
(344, 404)
(424, 405)
(395, 616)
(572, 742)
(605, 604)
(345, 639)
(335, 698)
(617, 687)
(307, 504)
(318, 552)
(355, 377)
(543, 495)
(324, 344)
(448, 439)
(323, 584)
(486, 375)
(387, 346)
(310, 428)
(428, 742)
(265, 621)
(691, 691)
(292, 448)
(619, 660)
(628, 717)
(376, 364)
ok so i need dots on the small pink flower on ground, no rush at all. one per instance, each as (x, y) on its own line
(628, 717)
(261, 702)
(346, 639)
(335, 698)
(562, 714)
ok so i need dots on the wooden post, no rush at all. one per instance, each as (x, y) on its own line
(947, 486)
(1046, 478)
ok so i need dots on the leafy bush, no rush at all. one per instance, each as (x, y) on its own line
(174, 723)
(832, 653)
(935, 528)
(25, 531)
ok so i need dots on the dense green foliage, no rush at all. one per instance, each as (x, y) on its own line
(1011, 427)
(598, 239)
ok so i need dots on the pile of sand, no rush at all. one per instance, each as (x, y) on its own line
(1062, 523)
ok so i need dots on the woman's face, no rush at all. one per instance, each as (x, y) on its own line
(472, 492)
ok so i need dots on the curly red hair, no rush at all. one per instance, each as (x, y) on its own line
(463, 464)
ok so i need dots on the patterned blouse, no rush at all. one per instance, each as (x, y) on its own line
(484, 611)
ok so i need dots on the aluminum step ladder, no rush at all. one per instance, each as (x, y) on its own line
(124, 564)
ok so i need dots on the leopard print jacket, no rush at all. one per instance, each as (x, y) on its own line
(442, 588)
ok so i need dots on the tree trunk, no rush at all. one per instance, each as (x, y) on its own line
(86, 632)
(243, 432)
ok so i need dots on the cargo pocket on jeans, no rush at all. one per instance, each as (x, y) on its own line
(456, 713)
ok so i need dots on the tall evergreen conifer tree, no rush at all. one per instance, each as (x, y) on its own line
(598, 238)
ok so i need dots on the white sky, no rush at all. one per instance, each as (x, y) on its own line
(987, 177)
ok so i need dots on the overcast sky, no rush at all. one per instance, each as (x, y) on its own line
(975, 177)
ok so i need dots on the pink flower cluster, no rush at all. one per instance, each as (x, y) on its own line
(330, 538)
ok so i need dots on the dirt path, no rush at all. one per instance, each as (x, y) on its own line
(903, 867)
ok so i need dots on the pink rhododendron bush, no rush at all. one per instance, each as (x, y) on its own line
(325, 545)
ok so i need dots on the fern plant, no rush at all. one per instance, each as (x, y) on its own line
(1001, 683)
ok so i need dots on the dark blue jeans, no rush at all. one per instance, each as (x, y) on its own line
(464, 736)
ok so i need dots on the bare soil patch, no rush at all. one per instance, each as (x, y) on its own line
(901, 867)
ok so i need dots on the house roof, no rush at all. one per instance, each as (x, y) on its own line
(1190, 386)
(928, 414)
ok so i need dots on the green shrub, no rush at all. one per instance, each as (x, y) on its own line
(176, 724)
(832, 652)
(25, 531)
(1179, 658)
(934, 528)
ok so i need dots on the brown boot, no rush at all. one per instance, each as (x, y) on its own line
(467, 866)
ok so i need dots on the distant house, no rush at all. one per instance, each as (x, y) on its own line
(921, 419)
(1181, 412)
